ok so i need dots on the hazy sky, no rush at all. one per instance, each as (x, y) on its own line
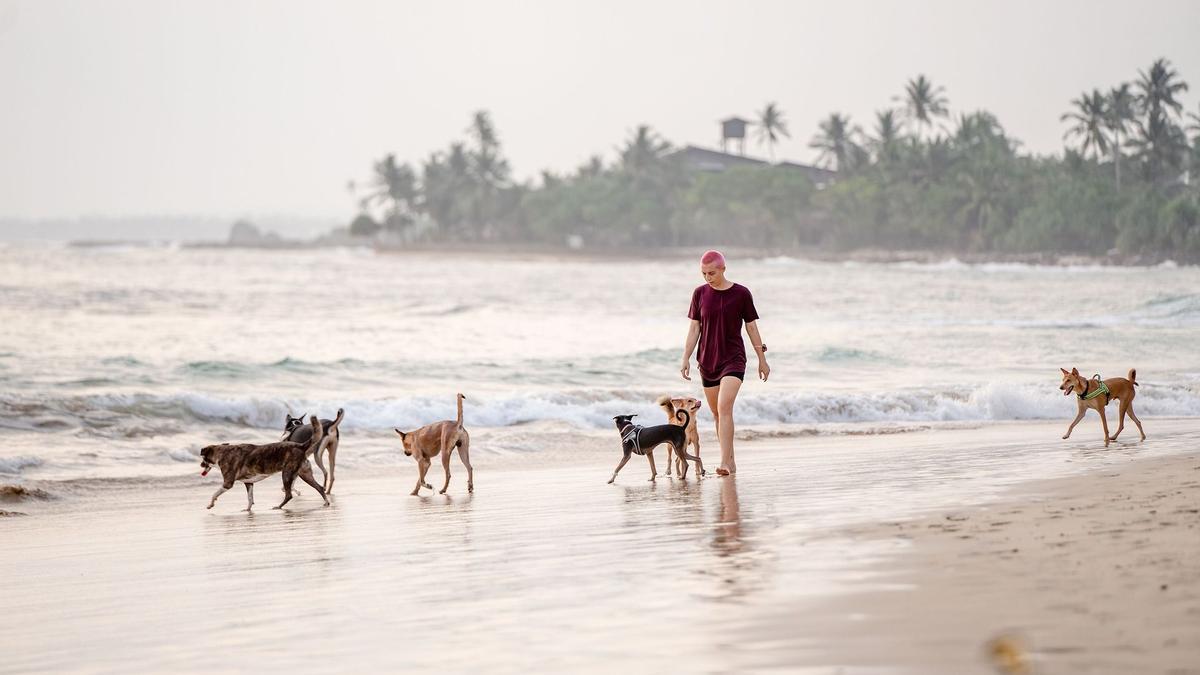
(244, 108)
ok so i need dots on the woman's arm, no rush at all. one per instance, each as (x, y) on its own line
(689, 346)
(764, 371)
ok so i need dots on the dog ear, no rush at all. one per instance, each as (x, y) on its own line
(402, 434)
(1064, 371)
(1074, 371)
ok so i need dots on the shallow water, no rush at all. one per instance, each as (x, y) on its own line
(545, 568)
(123, 361)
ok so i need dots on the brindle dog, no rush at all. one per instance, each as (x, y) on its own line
(296, 431)
(251, 463)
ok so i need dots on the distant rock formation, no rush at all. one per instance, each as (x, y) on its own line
(244, 233)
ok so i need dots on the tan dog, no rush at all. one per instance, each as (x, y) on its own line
(439, 438)
(692, 405)
(1085, 391)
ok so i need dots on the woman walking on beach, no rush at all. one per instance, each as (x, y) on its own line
(719, 307)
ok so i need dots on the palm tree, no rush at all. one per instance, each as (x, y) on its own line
(1091, 119)
(886, 142)
(924, 102)
(644, 150)
(1158, 88)
(1161, 146)
(395, 184)
(1121, 110)
(594, 167)
(488, 165)
(979, 128)
(837, 142)
(483, 131)
(771, 126)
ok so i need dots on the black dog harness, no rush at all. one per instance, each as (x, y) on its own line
(633, 437)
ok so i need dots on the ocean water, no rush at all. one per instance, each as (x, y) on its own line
(122, 361)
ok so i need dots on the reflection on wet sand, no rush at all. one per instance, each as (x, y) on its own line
(738, 564)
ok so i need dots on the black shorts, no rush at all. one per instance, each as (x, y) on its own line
(739, 374)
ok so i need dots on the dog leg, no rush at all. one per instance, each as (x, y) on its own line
(669, 462)
(288, 478)
(446, 469)
(684, 457)
(1082, 410)
(616, 470)
(249, 496)
(1104, 424)
(306, 475)
(333, 447)
(1136, 421)
(422, 467)
(317, 456)
(220, 491)
(1121, 410)
(653, 469)
(464, 456)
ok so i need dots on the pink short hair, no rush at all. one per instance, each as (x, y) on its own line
(711, 257)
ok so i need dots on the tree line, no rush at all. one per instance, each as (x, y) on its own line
(922, 177)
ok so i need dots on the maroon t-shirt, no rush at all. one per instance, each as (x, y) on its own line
(721, 314)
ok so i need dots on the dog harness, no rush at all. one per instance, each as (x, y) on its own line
(632, 436)
(1101, 388)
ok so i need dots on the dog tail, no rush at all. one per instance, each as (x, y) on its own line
(333, 426)
(687, 417)
(318, 433)
(460, 400)
(1133, 376)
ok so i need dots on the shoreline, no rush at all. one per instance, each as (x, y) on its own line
(536, 251)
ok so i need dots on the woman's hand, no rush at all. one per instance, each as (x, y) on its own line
(685, 370)
(764, 371)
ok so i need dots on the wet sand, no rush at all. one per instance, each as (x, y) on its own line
(1090, 574)
(793, 566)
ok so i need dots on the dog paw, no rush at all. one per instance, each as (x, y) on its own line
(610, 482)
(210, 506)
(1066, 437)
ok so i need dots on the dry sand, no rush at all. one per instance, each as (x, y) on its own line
(548, 568)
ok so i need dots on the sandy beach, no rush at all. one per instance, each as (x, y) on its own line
(812, 560)
(1098, 573)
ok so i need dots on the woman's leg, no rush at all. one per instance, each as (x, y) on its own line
(726, 395)
(710, 394)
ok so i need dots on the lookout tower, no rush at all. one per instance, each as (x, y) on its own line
(734, 128)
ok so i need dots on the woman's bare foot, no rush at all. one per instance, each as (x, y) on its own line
(722, 471)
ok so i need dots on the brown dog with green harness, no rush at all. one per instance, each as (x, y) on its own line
(1096, 393)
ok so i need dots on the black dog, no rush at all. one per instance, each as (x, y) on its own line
(643, 440)
(296, 431)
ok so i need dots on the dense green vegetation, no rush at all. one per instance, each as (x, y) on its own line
(921, 177)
